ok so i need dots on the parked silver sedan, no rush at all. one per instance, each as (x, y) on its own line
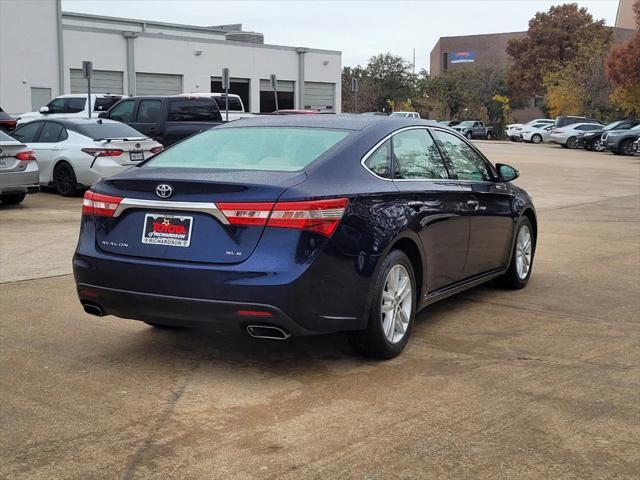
(18, 170)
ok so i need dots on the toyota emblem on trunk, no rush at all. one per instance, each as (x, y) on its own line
(164, 191)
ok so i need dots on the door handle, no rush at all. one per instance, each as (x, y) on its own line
(416, 205)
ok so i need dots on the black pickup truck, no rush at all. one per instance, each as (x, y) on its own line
(166, 119)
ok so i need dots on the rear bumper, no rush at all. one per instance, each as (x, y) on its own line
(324, 293)
(188, 312)
(20, 182)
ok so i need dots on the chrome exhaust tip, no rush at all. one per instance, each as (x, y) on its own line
(92, 309)
(267, 332)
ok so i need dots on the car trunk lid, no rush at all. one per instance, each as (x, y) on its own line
(173, 214)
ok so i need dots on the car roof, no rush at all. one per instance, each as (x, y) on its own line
(207, 94)
(84, 95)
(339, 122)
(74, 122)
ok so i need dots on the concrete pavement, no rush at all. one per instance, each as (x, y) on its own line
(534, 384)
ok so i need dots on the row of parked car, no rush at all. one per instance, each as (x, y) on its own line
(620, 137)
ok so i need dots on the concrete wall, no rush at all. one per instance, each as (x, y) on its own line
(625, 17)
(28, 51)
(490, 50)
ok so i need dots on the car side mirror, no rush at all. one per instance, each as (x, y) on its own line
(103, 115)
(506, 172)
(44, 109)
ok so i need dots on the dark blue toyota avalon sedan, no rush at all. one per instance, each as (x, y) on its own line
(302, 225)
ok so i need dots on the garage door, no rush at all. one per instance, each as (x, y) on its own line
(286, 94)
(102, 81)
(319, 96)
(158, 84)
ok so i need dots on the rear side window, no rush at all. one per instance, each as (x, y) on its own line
(27, 133)
(105, 103)
(97, 131)
(235, 105)
(380, 161)
(75, 105)
(250, 148)
(50, 133)
(193, 111)
(149, 111)
(416, 156)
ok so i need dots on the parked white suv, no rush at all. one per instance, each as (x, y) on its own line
(236, 107)
(72, 106)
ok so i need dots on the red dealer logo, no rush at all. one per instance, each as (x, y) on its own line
(166, 227)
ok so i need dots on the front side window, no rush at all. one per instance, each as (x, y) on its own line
(250, 148)
(50, 133)
(27, 133)
(416, 156)
(123, 111)
(194, 111)
(380, 161)
(56, 105)
(149, 111)
(75, 105)
(467, 163)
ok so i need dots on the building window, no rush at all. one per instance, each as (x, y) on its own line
(445, 61)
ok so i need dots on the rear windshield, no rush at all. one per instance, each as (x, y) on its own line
(235, 105)
(193, 111)
(6, 138)
(250, 148)
(98, 131)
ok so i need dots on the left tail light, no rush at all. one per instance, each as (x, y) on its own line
(103, 152)
(99, 205)
(27, 156)
(319, 216)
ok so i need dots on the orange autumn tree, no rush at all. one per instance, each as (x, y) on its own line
(623, 70)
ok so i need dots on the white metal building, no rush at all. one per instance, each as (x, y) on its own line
(42, 49)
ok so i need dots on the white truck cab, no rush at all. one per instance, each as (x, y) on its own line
(72, 106)
(236, 107)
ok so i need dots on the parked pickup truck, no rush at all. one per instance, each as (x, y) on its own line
(236, 107)
(71, 106)
(166, 119)
(474, 129)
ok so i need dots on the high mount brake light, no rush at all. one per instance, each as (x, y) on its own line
(319, 216)
(99, 205)
(25, 156)
(103, 152)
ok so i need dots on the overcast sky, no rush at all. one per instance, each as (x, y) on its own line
(358, 28)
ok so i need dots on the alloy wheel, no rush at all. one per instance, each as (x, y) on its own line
(627, 147)
(523, 252)
(64, 180)
(598, 146)
(396, 304)
(536, 138)
(572, 142)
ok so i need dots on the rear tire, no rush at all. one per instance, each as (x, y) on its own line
(64, 179)
(536, 138)
(12, 198)
(488, 136)
(572, 142)
(469, 135)
(521, 258)
(393, 310)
